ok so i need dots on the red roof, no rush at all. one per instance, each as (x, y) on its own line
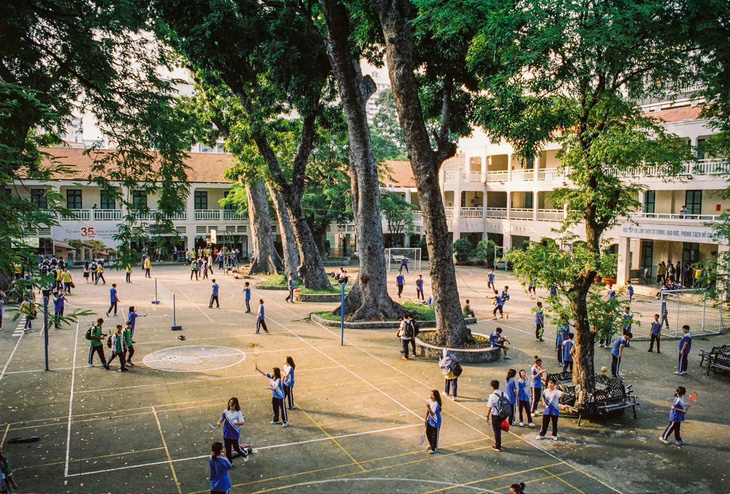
(677, 114)
(399, 173)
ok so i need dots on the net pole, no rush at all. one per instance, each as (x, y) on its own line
(174, 311)
(704, 311)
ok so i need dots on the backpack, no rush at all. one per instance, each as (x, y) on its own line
(409, 330)
(416, 329)
(88, 333)
(503, 407)
(456, 369)
(109, 341)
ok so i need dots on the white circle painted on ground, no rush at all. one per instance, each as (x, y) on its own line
(194, 358)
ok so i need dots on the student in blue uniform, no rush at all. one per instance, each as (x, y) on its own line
(685, 345)
(132, 319)
(220, 482)
(523, 396)
(114, 298)
(665, 313)
(539, 322)
(261, 317)
(562, 335)
(247, 296)
(404, 264)
(232, 422)
(568, 353)
(59, 302)
(496, 339)
(433, 421)
(631, 292)
(419, 288)
(537, 373)
(676, 417)
(498, 305)
(656, 333)
(290, 286)
(628, 321)
(490, 280)
(510, 387)
(551, 399)
(617, 352)
(277, 395)
(289, 381)
(400, 280)
(214, 295)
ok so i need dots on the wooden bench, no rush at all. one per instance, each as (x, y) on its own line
(718, 362)
(606, 401)
(716, 350)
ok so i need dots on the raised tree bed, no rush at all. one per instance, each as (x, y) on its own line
(611, 396)
(326, 318)
(482, 353)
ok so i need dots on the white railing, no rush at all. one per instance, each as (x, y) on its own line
(549, 174)
(550, 215)
(232, 214)
(152, 215)
(498, 176)
(521, 213)
(450, 212)
(471, 212)
(77, 214)
(207, 214)
(711, 167)
(475, 177)
(675, 216)
(107, 214)
(523, 175)
(717, 166)
(418, 218)
(495, 213)
(452, 175)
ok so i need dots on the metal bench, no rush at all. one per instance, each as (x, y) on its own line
(716, 350)
(609, 400)
(718, 362)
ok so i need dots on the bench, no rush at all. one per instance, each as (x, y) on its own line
(719, 362)
(606, 401)
(716, 350)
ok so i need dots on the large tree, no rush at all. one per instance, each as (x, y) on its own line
(430, 83)
(571, 71)
(59, 57)
(274, 65)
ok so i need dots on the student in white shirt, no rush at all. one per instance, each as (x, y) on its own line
(493, 415)
(551, 399)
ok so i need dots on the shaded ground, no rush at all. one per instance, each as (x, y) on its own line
(360, 408)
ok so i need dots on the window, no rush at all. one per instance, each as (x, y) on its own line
(229, 206)
(38, 198)
(73, 199)
(649, 201)
(108, 199)
(647, 255)
(139, 199)
(693, 201)
(528, 200)
(201, 199)
(690, 253)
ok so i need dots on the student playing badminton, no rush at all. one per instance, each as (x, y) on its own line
(433, 421)
(676, 417)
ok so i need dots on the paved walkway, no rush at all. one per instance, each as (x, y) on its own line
(360, 408)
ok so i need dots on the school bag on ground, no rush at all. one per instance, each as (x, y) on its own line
(504, 407)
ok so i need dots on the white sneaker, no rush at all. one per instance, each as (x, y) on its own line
(285, 424)
(678, 373)
(531, 424)
(245, 458)
(275, 422)
(507, 358)
(540, 438)
(555, 438)
(661, 438)
(522, 424)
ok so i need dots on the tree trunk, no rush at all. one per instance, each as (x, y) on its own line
(288, 240)
(265, 259)
(311, 269)
(395, 21)
(368, 299)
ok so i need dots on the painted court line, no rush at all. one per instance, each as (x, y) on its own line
(70, 406)
(274, 446)
(2, 374)
(167, 451)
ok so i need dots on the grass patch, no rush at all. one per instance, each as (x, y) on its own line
(278, 280)
(329, 316)
(334, 290)
(480, 342)
(422, 312)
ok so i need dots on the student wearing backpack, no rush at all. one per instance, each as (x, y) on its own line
(96, 337)
(448, 364)
(414, 330)
(498, 410)
(551, 400)
(405, 333)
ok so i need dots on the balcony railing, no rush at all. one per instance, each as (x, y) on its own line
(471, 212)
(550, 215)
(675, 216)
(549, 174)
(522, 175)
(450, 212)
(107, 214)
(229, 214)
(452, 175)
(522, 213)
(77, 215)
(710, 167)
(207, 214)
(498, 176)
(495, 213)
(456, 175)
(474, 177)
(152, 215)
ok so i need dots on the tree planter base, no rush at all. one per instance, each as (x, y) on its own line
(376, 324)
(317, 297)
(465, 355)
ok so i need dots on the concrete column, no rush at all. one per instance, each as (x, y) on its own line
(622, 273)
(642, 196)
(509, 167)
(509, 204)
(507, 242)
(535, 205)
(483, 159)
(536, 165)
(408, 196)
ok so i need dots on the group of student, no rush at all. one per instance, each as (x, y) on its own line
(200, 266)
(120, 342)
(400, 282)
(94, 271)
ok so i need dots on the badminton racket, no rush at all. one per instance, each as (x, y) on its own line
(693, 397)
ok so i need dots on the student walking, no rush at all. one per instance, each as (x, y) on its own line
(400, 281)
(405, 333)
(551, 400)
(132, 319)
(490, 280)
(497, 413)
(419, 288)
(433, 421)
(277, 395)
(27, 308)
(68, 282)
(510, 387)
(86, 272)
(128, 274)
(232, 421)
(261, 317)
(676, 417)
(568, 350)
(447, 364)
(100, 274)
(214, 296)
(147, 267)
(537, 373)
(560, 338)
(114, 299)
(665, 313)
(656, 333)
(203, 266)
(539, 322)
(685, 345)
(128, 344)
(628, 321)
(118, 347)
(59, 302)
(290, 286)
(96, 343)
(617, 352)
(289, 381)
(220, 482)
(194, 269)
(524, 398)
(247, 296)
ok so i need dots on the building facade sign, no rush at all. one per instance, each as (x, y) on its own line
(87, 230)
(672, 233)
